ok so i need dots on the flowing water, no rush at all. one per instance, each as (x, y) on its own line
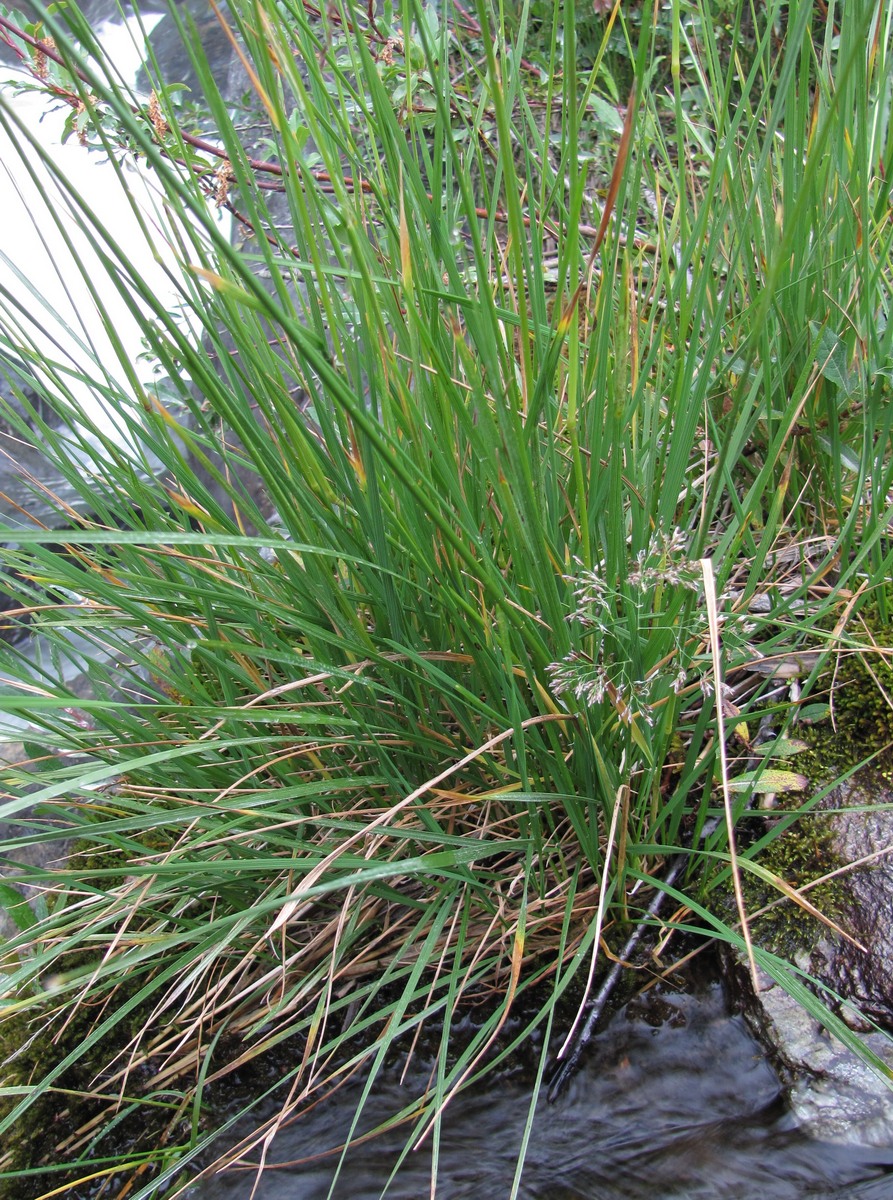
(674, 1099)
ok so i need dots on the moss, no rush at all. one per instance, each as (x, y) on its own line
(862, 692)
(803, 853)
(862, 726)
(30, 1045)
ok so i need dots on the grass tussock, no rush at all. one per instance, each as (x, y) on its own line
(387, 583)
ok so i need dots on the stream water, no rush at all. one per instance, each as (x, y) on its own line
(674, 1100)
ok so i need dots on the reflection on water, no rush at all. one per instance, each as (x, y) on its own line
(674, 1099)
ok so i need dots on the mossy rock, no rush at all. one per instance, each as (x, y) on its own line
(859, 730)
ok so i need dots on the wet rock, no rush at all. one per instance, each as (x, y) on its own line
(832, 1092)
(27, 479)
(863, 833)
(23, 468)
(169, 49)
(18, 861)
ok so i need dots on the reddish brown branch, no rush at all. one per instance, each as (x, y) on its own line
(259, 166)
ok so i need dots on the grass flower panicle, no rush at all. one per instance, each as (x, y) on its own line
(637, 624)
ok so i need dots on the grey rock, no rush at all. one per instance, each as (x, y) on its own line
(864, 834)
(170, 51)
(833, 1093)
(27, 478)
(15, 865)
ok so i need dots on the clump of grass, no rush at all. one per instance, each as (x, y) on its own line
(359, 762)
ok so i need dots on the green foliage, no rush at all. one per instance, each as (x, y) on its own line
(319, 602)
